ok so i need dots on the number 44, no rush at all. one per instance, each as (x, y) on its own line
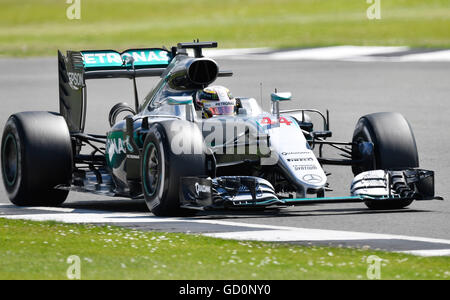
(268, 121)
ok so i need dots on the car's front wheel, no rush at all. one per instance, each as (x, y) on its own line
(394, 149)
(162, 168)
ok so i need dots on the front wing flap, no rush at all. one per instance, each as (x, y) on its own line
(253, 192)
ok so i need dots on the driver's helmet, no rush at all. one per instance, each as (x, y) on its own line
(216, 100)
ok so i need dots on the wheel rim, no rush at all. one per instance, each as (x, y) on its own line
(10, 160)
(151, 169)
(368, 165)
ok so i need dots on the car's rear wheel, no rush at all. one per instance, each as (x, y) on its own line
(394, 148)
(36, 156)
(162, 168)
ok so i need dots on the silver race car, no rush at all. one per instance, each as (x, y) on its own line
(180, 156)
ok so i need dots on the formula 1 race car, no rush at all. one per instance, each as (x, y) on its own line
(164, 150)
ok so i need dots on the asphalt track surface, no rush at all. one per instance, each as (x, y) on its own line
(418, 90)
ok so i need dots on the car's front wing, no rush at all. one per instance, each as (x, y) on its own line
(253, 192)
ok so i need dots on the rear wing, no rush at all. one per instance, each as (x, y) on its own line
(112, 64)
(78, 66)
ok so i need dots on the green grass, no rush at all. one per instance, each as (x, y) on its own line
(39, 250)
(39, 27)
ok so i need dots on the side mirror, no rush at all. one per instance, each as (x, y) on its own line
(183, 100)
(276, 98)
(179, 100)
(281, 96)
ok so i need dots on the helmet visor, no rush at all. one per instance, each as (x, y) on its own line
(222, 110)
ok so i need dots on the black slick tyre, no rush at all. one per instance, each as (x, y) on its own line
(394, 148)
(36, 156)
(162, 168)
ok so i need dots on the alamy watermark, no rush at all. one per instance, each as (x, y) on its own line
(228, 137)
(374, 267)
(73, 12)
(74, 270)
(374, 10)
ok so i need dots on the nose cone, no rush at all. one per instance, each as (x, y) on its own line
(314, 180)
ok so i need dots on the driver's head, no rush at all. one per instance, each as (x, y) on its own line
(217, 100)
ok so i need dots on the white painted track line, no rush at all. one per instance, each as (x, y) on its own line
(306, 234)
(343, 53)
(332, 53)
(317, 235)
(224, 53)
(94, 217)
(56, 209)
(427, 253)
(443, 55)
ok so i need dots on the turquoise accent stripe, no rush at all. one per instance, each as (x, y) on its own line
(109, 59)
(281, 96)
(325, 198)
(297, 200)
(180, 101)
